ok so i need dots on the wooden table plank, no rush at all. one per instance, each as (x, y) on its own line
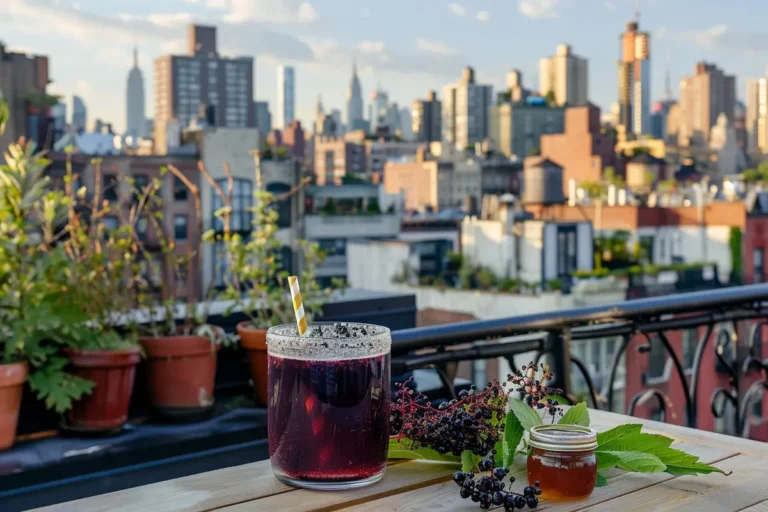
(398, 479)
(743, 488)
(759, 507)
(194, 493)
(445, 496)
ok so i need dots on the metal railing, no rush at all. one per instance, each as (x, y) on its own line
(551, 334)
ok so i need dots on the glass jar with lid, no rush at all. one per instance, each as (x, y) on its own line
(562, 459)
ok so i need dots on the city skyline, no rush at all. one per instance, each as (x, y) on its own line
(425, 51)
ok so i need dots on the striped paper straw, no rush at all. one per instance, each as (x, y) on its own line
(298, 307)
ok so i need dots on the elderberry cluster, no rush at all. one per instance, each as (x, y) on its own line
(533, 390)
(462, 424)
(489, 490)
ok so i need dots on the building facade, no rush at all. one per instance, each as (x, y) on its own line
(135, 118)
(703, 97)
(263, 116)
(203, 80)
(293, 140)
(566, 75)
(582, 150)
(23, 82)
(634, 69)
(79, 113)
(355, 119)
(516, 128)
(757, 115)
(466, 111)
(286, 96)
(425, 118)
(335, 157)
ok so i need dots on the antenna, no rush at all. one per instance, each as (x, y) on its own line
(637, 11)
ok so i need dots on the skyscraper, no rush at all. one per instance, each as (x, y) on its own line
(465, 110)
(757, 115)
(202, 78)
(135, 120)
(355, 119)
(263, 117)
(79, 113)
(286, 95)
(634, 68)
(425, 118)
(566, 75)
(703, 97)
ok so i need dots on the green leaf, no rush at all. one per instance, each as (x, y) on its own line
(498, 458)
(628, 438)
(576, 415)
(524, 413)
(468, 461)
(513, 433)
(402, 449)
(558, 399)
(634, 461)
(601, 481)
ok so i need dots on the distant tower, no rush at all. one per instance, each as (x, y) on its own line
(635, 79)
(354, 102)
(319, 106)
(135, 120)
(286, 96)
(79, 113)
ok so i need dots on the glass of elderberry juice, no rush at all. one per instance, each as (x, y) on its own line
(329, 400)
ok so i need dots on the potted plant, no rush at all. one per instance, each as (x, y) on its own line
(36, 317)
(181, 357)
(101, 258)
(256, 281)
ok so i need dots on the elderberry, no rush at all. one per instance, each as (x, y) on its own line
(489, 490)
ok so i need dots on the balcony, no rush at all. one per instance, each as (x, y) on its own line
(359, 225)
(692, 359)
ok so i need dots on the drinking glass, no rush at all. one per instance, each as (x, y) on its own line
(329, 401)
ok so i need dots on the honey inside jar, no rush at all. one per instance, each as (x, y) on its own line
(562, 459)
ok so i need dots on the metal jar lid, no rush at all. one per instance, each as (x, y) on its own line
(563, 438)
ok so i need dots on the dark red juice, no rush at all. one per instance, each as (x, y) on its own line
(329, 420)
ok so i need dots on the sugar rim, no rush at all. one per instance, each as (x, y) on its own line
(284, 341)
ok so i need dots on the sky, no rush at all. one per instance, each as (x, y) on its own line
(407, 46)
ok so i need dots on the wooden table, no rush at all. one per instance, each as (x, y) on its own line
(418, 486)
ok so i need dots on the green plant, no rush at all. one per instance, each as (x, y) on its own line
(41, 98)
(550, 98)
(281, 152)
(486, 279)
(373, 207)
(37, 317)
(349, 179)
(735, 244)
(454, 259)
(555, 285)
(329, 207)
(467, 273)
(4, 113)
(534, 151)
(509, 285)
(256, 279)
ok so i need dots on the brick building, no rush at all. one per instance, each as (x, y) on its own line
(582, 150)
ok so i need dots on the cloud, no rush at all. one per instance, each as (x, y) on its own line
(457, 9)
(192, 1)
(434, 47)
(365, 13)
(539, 8)
(272, 11)
(483, 16)
(216, 4)
(722, 37)
(610, 5)
(372, 47)
(82, 87)
(95, 31)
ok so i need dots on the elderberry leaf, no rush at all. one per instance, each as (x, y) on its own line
(576, 415)
(680, 463)
(524, 413)
(601, 481)
(468, 461)
(638, 462)
(403, 449)
(513, 433)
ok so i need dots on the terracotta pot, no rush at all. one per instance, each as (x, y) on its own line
(181, 371)
(12, 378)
(112, 372)
(254, 341)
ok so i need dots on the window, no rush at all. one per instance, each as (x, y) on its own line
(180, 227)
(646, 248)
(657, 358)
(141, 228)
(333, 246)
(758, 260)
(220, 264)
(566, 250)
(242, 204)
(283, 207)
(690, 343)
(109, 185)
(140, 182)
(179, 190)
(111, 222)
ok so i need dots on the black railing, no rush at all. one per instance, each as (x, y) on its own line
(550, 335)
